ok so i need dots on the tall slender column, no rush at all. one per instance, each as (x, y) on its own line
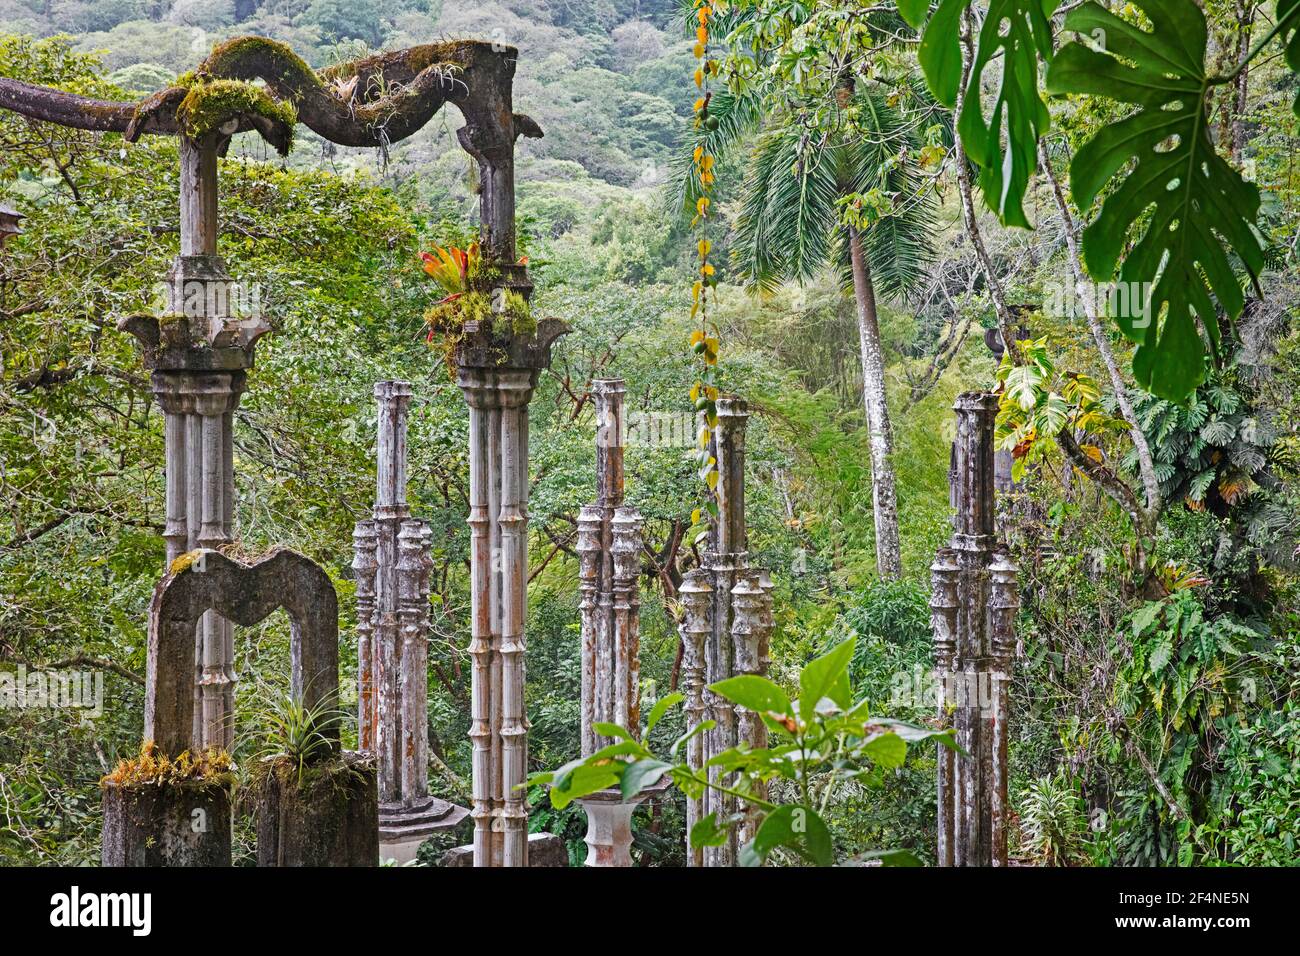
(392, 564)
(365, 566)
(497, 377)
(728, 556)
(609, 548)
(748, 625)
(973, 608)
(737, 629)
(198, 411)
(482, 724)
(513, 520)
(199, 352)
(697, 604)
(943, 621)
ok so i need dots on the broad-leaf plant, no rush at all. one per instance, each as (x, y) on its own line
(819, 741)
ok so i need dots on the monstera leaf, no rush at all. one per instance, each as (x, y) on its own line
(1004, 144)
(1288, 18)
(1183, 208)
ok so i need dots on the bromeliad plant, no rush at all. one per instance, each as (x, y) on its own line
(292, 732)
(466, 282)
(819, 741)
(453, 268)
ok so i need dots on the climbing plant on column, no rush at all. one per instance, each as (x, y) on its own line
(704, 340)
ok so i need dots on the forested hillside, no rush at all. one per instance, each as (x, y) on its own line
(1155, 717)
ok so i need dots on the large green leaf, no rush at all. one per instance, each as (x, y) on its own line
(1288, 18)
(826, 676)
(796, 827)
(1186, 207)
(1003, 144)
(757, 693)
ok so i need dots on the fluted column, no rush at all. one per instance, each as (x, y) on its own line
(365, 566)
(735, 601)
(747, 635)
(413, 686)
(943, 622)
(696, 625)
(609, 550)
(497, 377)
(392, 566)
(199, 352)
(727, 556)
(589, 551)
(198, 409)
(973, 606)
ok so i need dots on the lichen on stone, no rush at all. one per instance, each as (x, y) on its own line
(183, 562)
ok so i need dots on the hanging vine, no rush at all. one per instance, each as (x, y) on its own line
(704, 338)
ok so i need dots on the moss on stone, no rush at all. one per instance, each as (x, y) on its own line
(209, 104)
(183, 562)
(231, 56)
(522, 322)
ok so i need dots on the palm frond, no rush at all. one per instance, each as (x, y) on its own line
(787, 212)
(899, 247)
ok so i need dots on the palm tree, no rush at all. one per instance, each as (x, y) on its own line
(791, 226)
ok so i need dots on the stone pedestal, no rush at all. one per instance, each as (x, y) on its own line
(166, 825)
(327, 815)
(974, 599)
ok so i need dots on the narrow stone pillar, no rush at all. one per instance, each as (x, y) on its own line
(737, 627)
(697, 607)
(497, 376)
(609, 551)
(973, 606)
(199, 351)
(392, 563)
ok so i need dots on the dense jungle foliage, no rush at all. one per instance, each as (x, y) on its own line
(1156, 700)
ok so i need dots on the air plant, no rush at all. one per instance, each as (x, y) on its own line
(293, 730)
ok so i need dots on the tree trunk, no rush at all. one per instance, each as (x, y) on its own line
(884, 499)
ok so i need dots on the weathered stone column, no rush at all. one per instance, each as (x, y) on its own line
(697, 606)
(973, 607)
(609, 550)
(199, 351)
(391, 561)
(739, 623)
(497, 376)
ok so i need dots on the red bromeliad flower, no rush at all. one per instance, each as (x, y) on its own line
(454, 269)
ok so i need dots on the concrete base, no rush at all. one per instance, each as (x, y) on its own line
(403, 828)
(400, 853)
(166, 825)
(609, 828)
(328, 816)
(609, 824)
(544, 849)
